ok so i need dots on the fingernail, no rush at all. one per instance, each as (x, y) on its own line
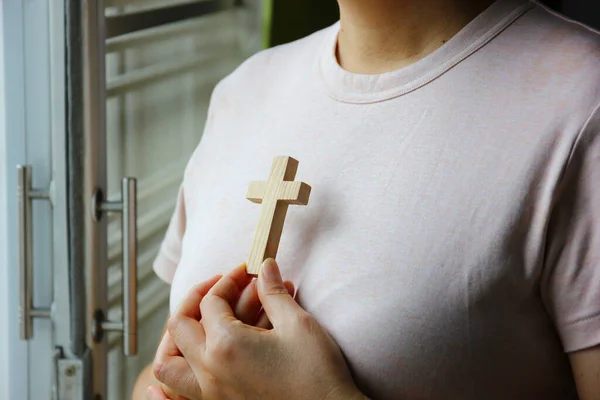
(270, 270)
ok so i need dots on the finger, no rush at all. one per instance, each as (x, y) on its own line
(155, 393)
(189, 336)
(216, 307)
(276, 301)
(248, 306)
(190, 305)
(262, 320)
(178, 378)
(166, 348)
(171, 394)
(289, 286)
(241, 277)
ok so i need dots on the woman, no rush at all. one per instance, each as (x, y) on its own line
(451, 248)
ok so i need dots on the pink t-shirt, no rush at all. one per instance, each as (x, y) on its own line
(451, 245)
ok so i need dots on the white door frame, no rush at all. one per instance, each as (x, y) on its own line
(4, 305)
(18, 129)
(14, 360)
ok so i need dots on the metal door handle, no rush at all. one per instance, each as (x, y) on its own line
(25, 194)
(128, 209)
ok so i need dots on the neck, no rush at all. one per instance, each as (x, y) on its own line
(378, 36)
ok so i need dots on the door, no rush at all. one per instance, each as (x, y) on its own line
(94, 92)
(33, 112)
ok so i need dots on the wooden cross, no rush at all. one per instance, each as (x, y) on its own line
(275, 195)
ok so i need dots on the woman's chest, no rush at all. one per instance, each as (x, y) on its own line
(407, 205)
(419, 257)
(410, 282)
(429, 230)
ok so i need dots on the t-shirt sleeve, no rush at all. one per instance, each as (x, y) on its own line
(571, 282)
(169, 253)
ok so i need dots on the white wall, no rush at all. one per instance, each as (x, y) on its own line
(3, 236)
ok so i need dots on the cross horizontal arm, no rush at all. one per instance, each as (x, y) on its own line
(296, 193)
(256, 192)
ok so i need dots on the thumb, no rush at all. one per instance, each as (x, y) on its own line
(277, 303)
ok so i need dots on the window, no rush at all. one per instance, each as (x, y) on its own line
(159, 82)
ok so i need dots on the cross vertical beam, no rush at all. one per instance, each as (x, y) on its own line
(275, 195)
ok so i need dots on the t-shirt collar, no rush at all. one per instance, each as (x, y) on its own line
(360, 88)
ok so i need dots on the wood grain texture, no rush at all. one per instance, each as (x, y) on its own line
(274, 195)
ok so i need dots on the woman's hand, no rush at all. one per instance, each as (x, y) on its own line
(247, 309)
(231, 359)
(167, 348)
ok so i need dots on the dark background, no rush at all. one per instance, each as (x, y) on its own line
(295, 19)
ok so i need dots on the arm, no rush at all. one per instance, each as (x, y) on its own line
(586, 370)
(571, 275)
